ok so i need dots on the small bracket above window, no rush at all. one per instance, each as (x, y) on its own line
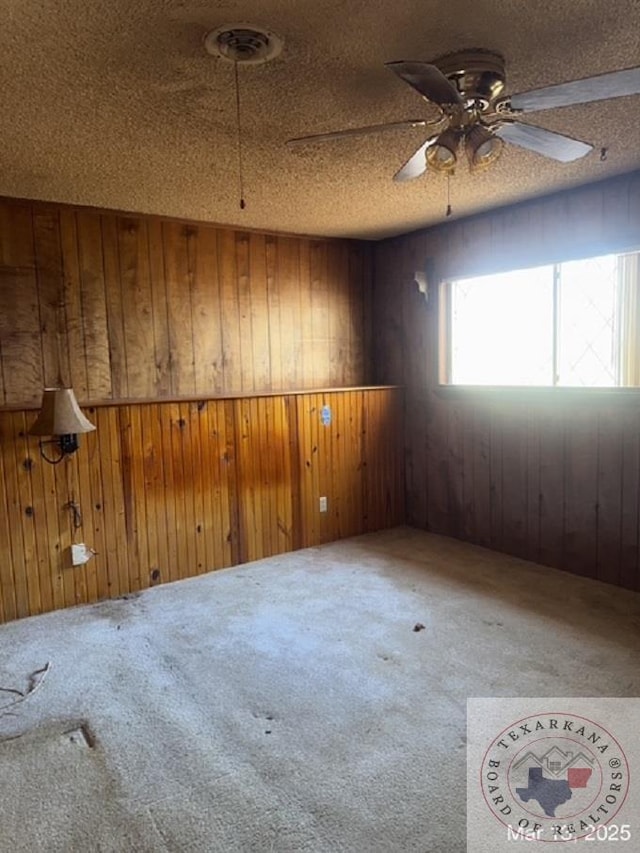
(420, 280)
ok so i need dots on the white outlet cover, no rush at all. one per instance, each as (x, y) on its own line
(80, 554)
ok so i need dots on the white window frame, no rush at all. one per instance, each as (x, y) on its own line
(627, 320)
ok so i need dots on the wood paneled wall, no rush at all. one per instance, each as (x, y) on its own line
(171, 490)
(549, 476)
(190, 344)
(137, 307)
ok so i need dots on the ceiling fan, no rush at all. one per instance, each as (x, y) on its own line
(467, 88)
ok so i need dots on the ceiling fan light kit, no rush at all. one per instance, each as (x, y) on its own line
(483, 148)
(468, 88)
(442, 156)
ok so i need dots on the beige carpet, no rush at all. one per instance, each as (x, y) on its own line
(289, 705)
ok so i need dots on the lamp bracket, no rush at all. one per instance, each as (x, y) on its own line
(66, 444)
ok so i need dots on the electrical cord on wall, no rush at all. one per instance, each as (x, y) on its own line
(76, 513)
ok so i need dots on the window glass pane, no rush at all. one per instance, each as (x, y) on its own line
(587, 333)
(502, 329)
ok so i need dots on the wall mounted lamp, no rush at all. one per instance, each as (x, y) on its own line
(61, 418)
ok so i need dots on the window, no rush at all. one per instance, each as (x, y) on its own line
(569, 324)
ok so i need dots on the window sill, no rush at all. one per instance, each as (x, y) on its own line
(538, 394)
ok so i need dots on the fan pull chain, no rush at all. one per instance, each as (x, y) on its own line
(239, 128)
(449, 210)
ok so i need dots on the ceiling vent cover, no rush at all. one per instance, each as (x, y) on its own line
(243, 43)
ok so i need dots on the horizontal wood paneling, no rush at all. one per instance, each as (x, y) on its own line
(132, 307)
(549, 477)
(171, 490)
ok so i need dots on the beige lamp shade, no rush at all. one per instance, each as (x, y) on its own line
(60, 414)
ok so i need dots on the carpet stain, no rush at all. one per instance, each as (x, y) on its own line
(117, 610)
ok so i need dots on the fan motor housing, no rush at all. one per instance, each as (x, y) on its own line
(479, 75)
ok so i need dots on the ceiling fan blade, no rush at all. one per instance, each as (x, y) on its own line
(542, 141)
(428, 80)
(416, 165)
(599, 88)
(358, 131)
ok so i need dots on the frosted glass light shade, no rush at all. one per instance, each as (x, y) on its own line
(442, 156)
(60, 414)
(483, 147)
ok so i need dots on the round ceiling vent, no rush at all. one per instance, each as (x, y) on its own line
(243, 43)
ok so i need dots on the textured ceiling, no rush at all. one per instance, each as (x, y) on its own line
(116, 104)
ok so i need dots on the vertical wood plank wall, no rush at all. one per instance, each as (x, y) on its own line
(171, 490)
(127, 307)
(191, 344)
(549, 477)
